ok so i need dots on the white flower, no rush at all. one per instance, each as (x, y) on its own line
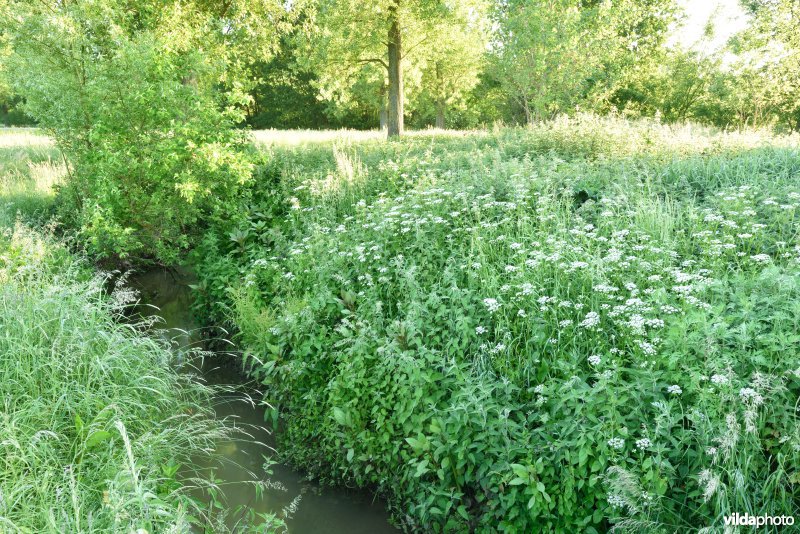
(594, 360)
(616, 501)
(521, 313)
(749, 394)
(480, 330)
(643, 444)
(674, 389)
(491, 304)
(761, 258)
(616, 443)
(719, 380)
(591, 320)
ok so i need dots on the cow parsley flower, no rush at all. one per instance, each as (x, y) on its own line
(591, 320)
(491, 304)
(719, 380)
(616, 443)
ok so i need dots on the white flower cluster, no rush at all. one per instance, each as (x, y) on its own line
(616, 443)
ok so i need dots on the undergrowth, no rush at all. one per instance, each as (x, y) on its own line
(583, 326)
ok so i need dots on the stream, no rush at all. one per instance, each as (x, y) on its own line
(319, 509)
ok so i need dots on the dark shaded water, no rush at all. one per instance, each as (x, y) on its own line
(319, 509)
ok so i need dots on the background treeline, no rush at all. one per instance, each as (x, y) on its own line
(146, 98)
(478, 62)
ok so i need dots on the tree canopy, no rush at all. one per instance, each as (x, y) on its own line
(142, 97)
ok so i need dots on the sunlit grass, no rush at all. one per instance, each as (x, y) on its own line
(23, 137)
(94, 422)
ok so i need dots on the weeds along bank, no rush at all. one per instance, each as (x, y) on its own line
(558, 329)
(95, 424)
(98, 433)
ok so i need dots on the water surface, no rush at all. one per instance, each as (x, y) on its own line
(319, 509)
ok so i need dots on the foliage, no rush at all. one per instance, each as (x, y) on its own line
(95, 422)
(554, 55)
(584, 324)
(771, 51)
(141, 97)
(346, 45)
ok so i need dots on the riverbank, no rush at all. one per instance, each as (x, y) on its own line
(257, 489)
(95, 423)
(518, 330)
(566, 327)
(211, 473)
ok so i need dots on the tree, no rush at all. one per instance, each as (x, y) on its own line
(770, 47)
(452, 66)
(377, 43)
(141, 97)
(552, 54)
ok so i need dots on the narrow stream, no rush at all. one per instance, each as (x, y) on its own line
(319, 509)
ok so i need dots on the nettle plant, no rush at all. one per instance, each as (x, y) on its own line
(526, 344)
(142, 98)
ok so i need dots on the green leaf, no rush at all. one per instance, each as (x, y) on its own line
(340, 416)
(521, 471)
(96, 438)
(78, 424)
(422, 468)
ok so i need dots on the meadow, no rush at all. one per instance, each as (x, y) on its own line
(583, 325)
(503, 265)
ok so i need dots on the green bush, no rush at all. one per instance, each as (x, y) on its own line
(141, 98)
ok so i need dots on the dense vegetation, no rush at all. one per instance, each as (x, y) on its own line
(330, 67)
(563, 328)
(95, 423)
(100, 432)
(586, 323)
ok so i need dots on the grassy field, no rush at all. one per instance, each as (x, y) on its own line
(584, 324)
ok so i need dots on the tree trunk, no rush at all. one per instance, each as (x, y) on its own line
(395, 124)
(440, 99)
(383, 117)
(440, 113)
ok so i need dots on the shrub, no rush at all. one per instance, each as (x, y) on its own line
(141, 97)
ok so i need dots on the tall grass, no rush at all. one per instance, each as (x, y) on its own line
(94, 422)
(29, 175)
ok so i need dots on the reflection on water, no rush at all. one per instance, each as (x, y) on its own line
(319, 510)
